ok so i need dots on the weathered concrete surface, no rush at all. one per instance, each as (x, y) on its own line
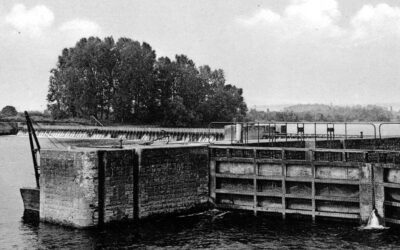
(116, 190)
(86, 187)
(366, 192)
(69, 187)
(172, 179)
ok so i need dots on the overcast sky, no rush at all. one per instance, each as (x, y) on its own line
(279, 52)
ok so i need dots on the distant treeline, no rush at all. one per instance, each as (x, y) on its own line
(323, 113)
(125, 82)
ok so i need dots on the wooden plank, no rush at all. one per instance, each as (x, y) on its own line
(238, 192)
(392, 203)
(269, 194)
(298, 211)
(234, 176)
(337, 163)
(233, 159)
(297, 196)
(271, 177)
(391, 220)
(338, 181)
(270, 209)
(337, 198)
(338, 215)
(232, 206)
(392, 185)
(299, 179)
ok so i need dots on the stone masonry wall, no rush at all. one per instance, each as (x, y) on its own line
(68, 187)
(172, 179)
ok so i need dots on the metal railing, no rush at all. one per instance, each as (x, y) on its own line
(300, 134)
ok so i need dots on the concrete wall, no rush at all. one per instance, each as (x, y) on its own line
(87, 187)
(116, 178)
(172, 179)
(69, 187)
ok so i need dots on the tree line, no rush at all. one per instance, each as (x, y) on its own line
(125, 82)
(324, 113)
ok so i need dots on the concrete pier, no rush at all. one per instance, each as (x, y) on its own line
(87, 187)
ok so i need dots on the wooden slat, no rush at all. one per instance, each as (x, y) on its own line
(298, 211)
(270, 177)
(392, 185)
(234, 176)
(269, 209)
(337, 198)
(269, 194)
(338, 215)
(227, 191)
(338, 181)
(392, 203)
(297, 196)
(391, 220)
(299, 179)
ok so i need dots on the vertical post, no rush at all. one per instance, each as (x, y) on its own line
(136, 167)
(379, 189)
(315, 133)
(366, 191)
(255, 171)
(212, 187)
(283, 185)
(313, 206)
(286, 131)
(34, 151)
(102, 161)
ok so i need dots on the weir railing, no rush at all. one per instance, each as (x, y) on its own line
(315, 182)
(285, 131)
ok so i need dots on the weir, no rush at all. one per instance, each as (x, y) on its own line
(129, 133)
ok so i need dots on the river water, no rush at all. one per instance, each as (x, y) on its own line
(210, 230)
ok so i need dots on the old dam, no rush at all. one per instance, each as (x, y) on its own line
(259, 168)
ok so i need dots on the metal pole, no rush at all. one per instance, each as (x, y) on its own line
(33, 150)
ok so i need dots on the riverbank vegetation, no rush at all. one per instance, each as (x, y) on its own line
(325, 113)
(124, 82)
(295, 113)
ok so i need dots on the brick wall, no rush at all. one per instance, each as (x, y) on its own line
(172, 179)
(68, 187)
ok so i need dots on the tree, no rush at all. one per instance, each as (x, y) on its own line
(124, 82)
(9, 111)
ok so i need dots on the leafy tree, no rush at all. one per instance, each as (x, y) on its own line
(9, 111)
(123, 81)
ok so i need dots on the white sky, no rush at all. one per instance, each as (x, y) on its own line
(286, 51)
